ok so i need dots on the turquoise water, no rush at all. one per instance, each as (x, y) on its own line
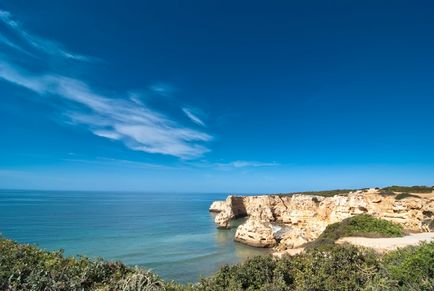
(172, 234)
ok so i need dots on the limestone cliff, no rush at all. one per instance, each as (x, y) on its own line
(288, 221)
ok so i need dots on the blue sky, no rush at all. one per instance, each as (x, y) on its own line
(216, 96)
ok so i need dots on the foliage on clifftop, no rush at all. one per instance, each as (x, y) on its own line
(337, 268)
(409, 189)
(328, 193)
(25, 267)
(401, 196)
(404, 191)
(391, 190)
(359, 225)
(325, 193)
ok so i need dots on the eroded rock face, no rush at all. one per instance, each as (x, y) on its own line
(217, 206)
(256, 233)
(233, 207)
(307, 216)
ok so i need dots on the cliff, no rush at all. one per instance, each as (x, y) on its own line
(289, 221)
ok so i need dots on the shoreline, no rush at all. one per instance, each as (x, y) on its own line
(285, 222)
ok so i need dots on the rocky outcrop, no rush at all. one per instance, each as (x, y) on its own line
(304, 217)
(256, 233)
(233, 207)
(217, 206)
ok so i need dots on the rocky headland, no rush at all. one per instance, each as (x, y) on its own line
(289, 221)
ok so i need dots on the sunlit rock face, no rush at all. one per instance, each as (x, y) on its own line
(217, 206)
(233, 207)
(305, 217)
(256, 233)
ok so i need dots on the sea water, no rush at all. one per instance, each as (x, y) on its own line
(172, 234)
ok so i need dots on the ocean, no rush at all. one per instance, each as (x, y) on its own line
(172, 234)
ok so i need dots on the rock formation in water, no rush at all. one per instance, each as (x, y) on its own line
(289, 221)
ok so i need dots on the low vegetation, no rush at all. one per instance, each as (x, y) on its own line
(408, 189)
(329, 193)
(412, 267)
(359, 225)
(326, 193)
(391, 190)
(26, 267)
(401, 196)
(339, 267)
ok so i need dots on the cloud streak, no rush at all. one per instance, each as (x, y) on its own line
(43, 45)
(249, 164)
(193, 117)
(118, 118)
(138, 127)
(237, 164)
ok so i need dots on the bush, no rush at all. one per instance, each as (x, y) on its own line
(405, 195)
(25, 267)
(411, 267)
(339, 267)
(328, 193)
(359, 225)
(409, 189)
(251, 275)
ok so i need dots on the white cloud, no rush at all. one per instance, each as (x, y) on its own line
(238, 164)
(192, 116)
(244, 164)
(103, 161)
(46, 46)
(127, 119)
(162, 89)
(137, 126)
(9, 43)
(15, 75)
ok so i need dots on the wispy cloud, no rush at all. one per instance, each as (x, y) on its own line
(193, 116)
(46, 46)
(120, 118)
(9, 43)
(102, 161)
(162, 89)
(138, 127)
(238, 164)
(249, 164)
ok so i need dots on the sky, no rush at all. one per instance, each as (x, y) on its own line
(216, 96)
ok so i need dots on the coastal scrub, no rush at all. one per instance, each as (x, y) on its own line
(339, 267)
(359, 225)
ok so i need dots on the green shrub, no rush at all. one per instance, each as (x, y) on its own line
(339, 267)
(328, 193)
(359, 225)
(405, 195)
(140, 280)
(251, 275)
(411, 267)
(386, 191)
(25, 267)
(409, 189)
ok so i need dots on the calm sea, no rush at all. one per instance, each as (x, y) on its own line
(172, 234)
